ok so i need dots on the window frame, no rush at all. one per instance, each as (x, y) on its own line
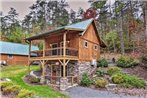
(86, 46)
(10, 56)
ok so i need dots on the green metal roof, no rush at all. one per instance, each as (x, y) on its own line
(81, 26)
(15, 48)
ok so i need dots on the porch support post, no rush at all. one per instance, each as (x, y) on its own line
(43, 65)
(29, 57)
(64, 55)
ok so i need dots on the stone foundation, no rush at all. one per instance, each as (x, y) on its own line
(63, 84)
(74, 68)
(85, 67)
(42, 80)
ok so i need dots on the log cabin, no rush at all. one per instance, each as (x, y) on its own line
(67, 53)
(14, 53)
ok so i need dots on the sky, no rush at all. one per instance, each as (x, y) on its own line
(22, 6)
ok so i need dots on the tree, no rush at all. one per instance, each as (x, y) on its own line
(10, 22)
(111, 37)
(17, 36)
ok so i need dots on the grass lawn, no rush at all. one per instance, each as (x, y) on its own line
(15, 73)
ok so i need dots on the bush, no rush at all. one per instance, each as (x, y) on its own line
(101, 83)
(13, 89)
(102, 63)
(32, 79)
(86, 81)
(5, 84)
(118, 78)
(125, 62)
(113, 70)
(25, 94)
(100, 72)
(132, 81)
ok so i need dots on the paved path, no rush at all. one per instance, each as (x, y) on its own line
(83, 92)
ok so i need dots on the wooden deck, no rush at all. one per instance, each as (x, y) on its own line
(55, 54)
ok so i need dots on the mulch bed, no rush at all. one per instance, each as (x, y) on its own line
(26, 80)
(139, 71)
(132, 92)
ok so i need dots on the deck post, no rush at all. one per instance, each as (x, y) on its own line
(29, 57)
(64, 54)
(43, 65)
(64, 80)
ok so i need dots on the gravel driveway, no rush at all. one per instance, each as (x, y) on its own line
(83, 92)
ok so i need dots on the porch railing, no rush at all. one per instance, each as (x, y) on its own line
(55, 52)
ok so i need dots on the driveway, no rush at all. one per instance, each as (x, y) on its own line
(83, 92)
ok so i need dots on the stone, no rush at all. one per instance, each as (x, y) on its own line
(63, 84)
(85, 67)
(111, 86)
(42, 80)
(5, 79)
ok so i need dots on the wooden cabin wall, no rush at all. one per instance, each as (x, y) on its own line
(87, 54)
(71, 37)
(53, 39)
(15, 59)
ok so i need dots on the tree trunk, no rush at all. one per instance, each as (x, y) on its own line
(114, 46)
(146, 28)
(121, 35)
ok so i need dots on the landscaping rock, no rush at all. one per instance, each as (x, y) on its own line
(35, 74)
(111, 86)
(5, 79)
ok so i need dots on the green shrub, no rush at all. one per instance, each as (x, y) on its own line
(13, 89)
(134, 81)
(101, 83)
(118, 78)
(5, 84)
(33, 79)
(125, 62)
(125, 85)
(130, 81)
(25, 94)
(113, 70)
(86, 81)
(100, 72)
(102, 63)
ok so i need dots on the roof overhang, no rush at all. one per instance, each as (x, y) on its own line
(56, 31)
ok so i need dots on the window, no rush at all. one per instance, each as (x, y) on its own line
(95, 47)
(10, 56)
(86, 44)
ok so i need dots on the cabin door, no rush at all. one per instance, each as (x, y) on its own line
(54, 51)
(54, 72)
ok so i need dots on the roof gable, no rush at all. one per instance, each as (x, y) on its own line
(15, 48)
(80, 25)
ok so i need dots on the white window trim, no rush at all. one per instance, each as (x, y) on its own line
(10, 57)
(87, 44)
